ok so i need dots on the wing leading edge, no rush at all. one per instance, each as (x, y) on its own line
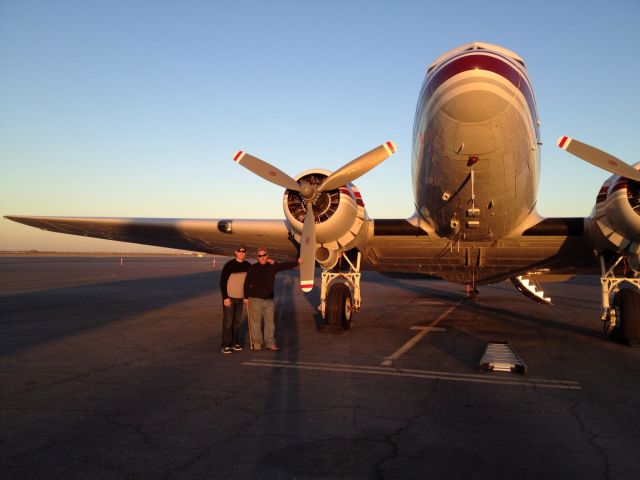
(215, 236)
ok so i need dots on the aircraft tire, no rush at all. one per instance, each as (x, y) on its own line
(339, 306)
(627, 306)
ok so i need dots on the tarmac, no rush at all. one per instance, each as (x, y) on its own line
(115, 371)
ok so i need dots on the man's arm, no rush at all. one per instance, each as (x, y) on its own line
(247, 283)
(286, 265)
(224, 278)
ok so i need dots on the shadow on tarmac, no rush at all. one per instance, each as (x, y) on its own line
(32, 318)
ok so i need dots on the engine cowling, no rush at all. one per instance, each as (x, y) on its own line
(614, 223)
(341, 219)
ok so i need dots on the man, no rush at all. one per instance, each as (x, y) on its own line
(232, 288)
(258, 294)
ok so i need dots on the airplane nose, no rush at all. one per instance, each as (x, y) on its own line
(473, 139)
(477, 104)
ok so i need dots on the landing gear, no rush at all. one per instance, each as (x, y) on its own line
(340, 295)
(339, 306)
(622, 320)
(626, 305)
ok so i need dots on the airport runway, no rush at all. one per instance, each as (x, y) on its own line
(111, 372)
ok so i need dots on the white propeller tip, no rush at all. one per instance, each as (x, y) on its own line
(564, 142)
(238, 156)
(390, 147)
(306, 286)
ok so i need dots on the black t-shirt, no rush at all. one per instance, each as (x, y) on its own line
(261, 278)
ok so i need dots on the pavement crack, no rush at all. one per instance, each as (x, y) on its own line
(592, 438)
(391, 437)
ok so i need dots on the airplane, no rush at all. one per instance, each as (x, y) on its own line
(475, 168)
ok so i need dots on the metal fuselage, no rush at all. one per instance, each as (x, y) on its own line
(476, 144)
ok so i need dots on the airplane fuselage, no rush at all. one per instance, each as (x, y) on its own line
(476, 144)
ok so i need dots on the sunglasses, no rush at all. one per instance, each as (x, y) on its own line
(241, 251)
(263, 255)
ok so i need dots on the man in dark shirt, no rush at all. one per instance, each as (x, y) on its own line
(232, 288)
(258, 293)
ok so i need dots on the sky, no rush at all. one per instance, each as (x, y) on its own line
(134, 108)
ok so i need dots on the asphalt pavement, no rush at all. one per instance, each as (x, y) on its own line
(115, 371)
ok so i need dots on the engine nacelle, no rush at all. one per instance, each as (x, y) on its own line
(341, 220)
(614, 223)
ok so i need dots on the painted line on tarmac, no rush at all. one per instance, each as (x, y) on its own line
(423, 332)
(411, 373)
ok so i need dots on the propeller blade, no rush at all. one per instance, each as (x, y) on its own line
(598, 158)
(308, 250)
(265, 170)
(358, 167)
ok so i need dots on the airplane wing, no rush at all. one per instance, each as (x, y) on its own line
(215, 236)
(396, 245)
(549, 246)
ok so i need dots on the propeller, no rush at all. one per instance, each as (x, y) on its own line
(265, 170)
(358, 167)
(308, 250)
(598, 158)
(309, 193)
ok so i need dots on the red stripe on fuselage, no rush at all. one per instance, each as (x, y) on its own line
(602, 194)
(620, 183)
(483, 61)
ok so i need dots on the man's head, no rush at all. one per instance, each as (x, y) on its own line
(241, 253)
(263, 256)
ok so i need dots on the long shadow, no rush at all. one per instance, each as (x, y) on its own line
(31, 318)
(470, 305)
(422, 288)
(283, 395)
(468, 348)
(543, 322)
(313, 299)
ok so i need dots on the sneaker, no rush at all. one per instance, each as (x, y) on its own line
(273, 348)
(237, 347)
(226, 350)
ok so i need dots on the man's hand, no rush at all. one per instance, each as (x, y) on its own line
(227, 302)
(246, 301)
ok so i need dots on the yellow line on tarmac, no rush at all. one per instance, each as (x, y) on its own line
(423, 332)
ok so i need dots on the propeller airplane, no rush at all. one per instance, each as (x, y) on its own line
(475, 168)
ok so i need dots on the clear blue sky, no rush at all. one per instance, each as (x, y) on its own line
(134, 108)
